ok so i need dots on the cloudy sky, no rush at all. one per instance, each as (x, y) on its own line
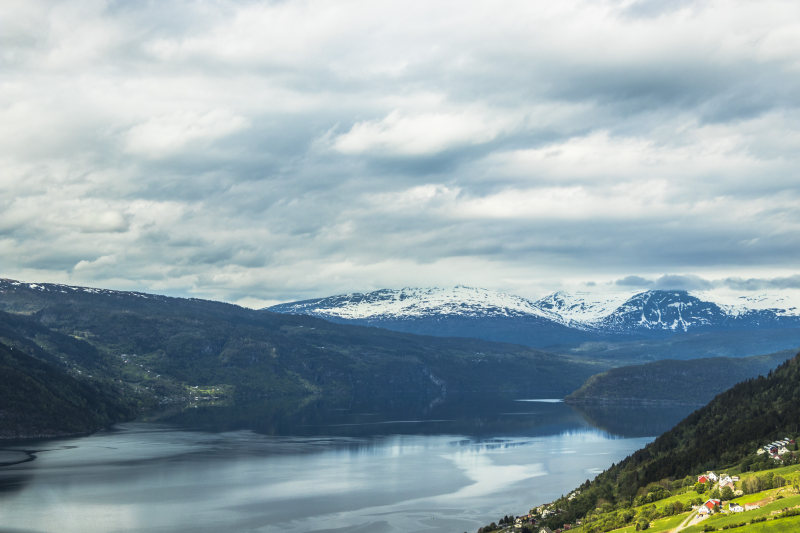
(257, 152)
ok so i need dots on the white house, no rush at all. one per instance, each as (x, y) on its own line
(712, 476)
(735, 508)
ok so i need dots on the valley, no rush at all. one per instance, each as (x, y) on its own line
(78, 360)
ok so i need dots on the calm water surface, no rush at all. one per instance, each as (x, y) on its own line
(361, 471)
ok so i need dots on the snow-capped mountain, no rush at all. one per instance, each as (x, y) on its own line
(582, 308)
(682, 311)
(666, 311)
(416, 303)
(453, 312)
(559, 318)
(781, 303)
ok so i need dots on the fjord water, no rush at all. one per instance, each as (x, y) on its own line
(325, 469)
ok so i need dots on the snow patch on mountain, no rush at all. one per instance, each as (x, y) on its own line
(614, 312)
(419, 302)
(583, 307)
(664, 310)
(10, 284)
(783, 303)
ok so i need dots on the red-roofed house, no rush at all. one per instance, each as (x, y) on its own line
(702, 479)
(712, 503)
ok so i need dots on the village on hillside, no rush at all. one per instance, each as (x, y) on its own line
(707, 502)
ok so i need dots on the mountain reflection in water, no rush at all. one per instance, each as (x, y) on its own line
(476, 416)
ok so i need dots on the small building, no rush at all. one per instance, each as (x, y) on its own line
(712, 476)
(702, 479)
(735, 508)
(709, 506)
(751, 506)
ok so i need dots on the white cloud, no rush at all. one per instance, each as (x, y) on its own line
(422, 133)
(101, 222)
(254, 151)
(166, 134)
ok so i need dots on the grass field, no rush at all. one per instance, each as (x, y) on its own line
(721, 520)
(783, 498)
(773, 501)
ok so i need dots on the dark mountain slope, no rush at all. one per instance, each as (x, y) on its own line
(690, 382)
(38, 399)
(165, 344)
(725, 432)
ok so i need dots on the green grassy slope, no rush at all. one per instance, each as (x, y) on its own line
(725, 432)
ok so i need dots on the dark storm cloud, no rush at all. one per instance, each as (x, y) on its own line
(634, 281)
(683, 282)
(755, 284)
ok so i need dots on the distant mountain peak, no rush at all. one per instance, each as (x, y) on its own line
(647, 312)
(582, 307)
(415, 302)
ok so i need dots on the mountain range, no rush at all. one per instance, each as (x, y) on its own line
(154, 352)
(646, 311)
(557, 320)
(91, 356)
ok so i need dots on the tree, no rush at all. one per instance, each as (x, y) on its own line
(699, 488)
(726, 493)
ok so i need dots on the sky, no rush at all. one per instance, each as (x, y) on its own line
(259, 152)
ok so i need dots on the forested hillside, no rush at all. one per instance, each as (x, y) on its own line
(724, 433)
(38, 399)
(686, 382)
(165, 349)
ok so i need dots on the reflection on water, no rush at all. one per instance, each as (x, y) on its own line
(632, 420)
(477, 416)
(313, 467)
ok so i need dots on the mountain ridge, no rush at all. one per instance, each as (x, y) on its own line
(557, 319)
(164, 348)
(578, 309)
